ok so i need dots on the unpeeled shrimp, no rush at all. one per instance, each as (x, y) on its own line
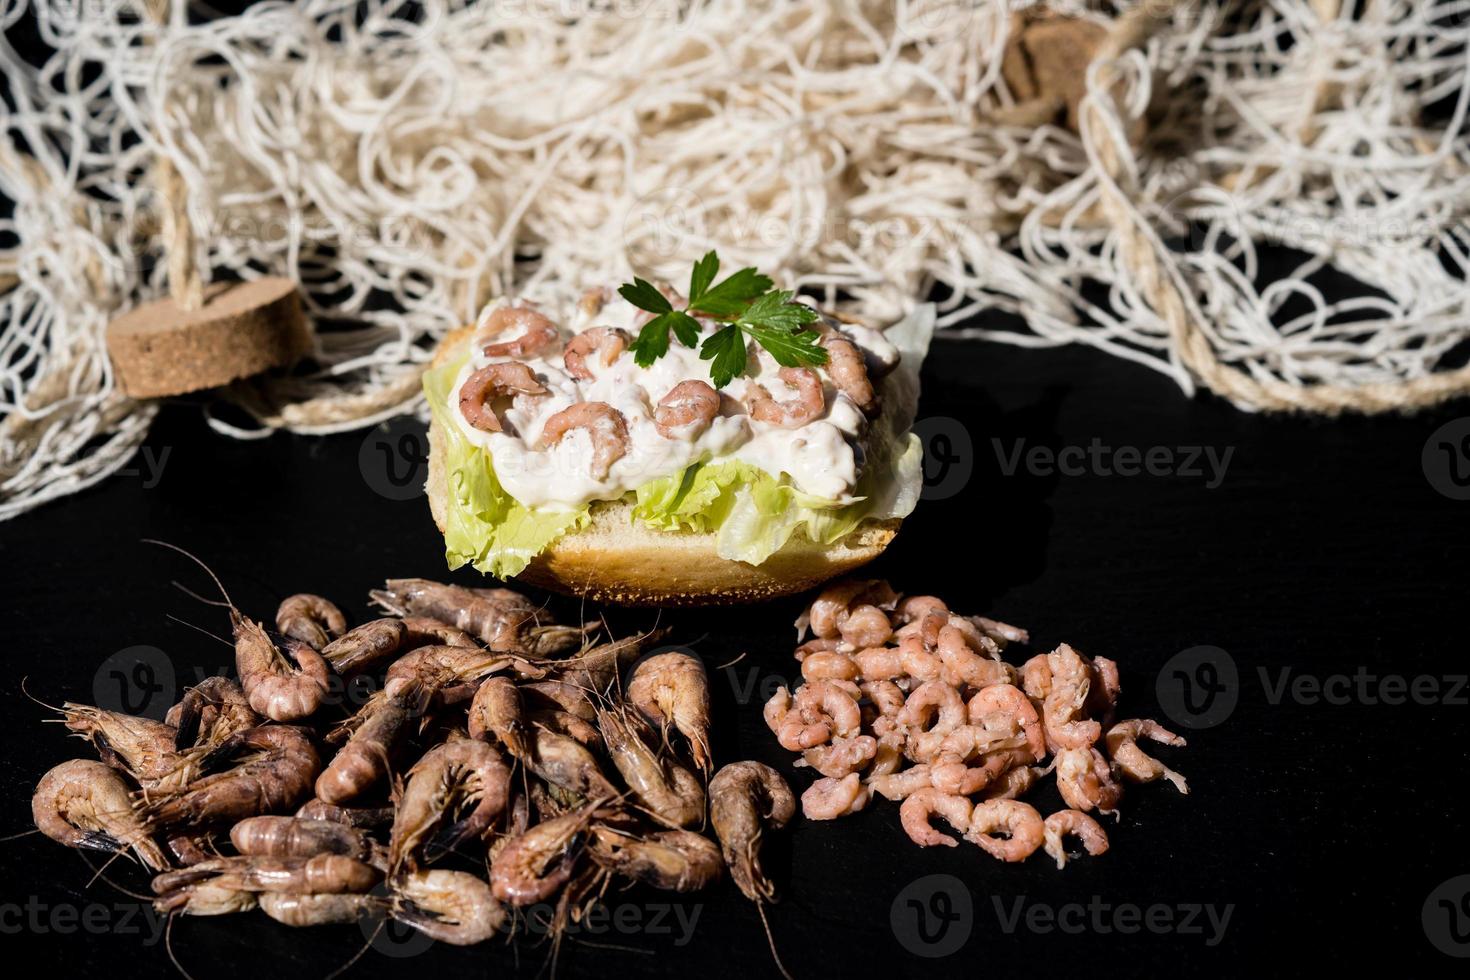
(274, 686)
(322, 873)
(686, 411)
(745, 798)
(311, 619)
(604, 425)
(365, 647)
(673, 860)
(807, 403)
(1020, 821)
(1137, 765)
(317, 909)
(209, 714)
(277, 836)
(566, 763)
(610, 342)
(85, 804)
(453, 907)
(829, 798)
(671, 792)
(500, 380)
(274, 777)
(536, 332)
(364, 763)
(503, 620)
(920, 806)
(1077, 824)
(497, 712)
(141, 747)
(534, 866)
(455, 792)
(672, 688)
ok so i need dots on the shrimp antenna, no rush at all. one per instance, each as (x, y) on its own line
(48, 707)
(359, 954)
(168, 944)
(198, 561)
(100, 875)
(23, 833)
(201, 629)
(195, 595)
(771, 940)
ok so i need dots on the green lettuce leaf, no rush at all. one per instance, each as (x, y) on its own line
(485, 526)
(754, 514)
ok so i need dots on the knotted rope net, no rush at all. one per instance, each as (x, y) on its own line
(407, 162)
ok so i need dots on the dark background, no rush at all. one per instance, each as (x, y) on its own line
(1322, 827)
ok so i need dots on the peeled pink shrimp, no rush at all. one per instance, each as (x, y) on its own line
(843, 756)
(807, 404)
(536, 332)
(965, 665)
(1106, 686)
(915, 607)
(1036, 677)
(866, 626)
(1010, 703)
(886, 696)
(828, 798)
(917, 809)
(918, 662)
(1079, 825)
(816, 645)
(879, 664)
(1085, 781)
(830, 702)
(794, 733)
(1014, 784)
(1062, 711)
(1136, 765)
(1019, 820)
(507, 378)
(849, 373)
(829, 610)
(605, 424)
(828, 665)
(898, 785)
(936, 700)
(686, 411)
(963, 779)
(610, 342)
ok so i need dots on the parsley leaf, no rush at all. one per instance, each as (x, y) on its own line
(653, 339)
(729, 298)
(703, 274)
(645, 295)
(725, 349)
(775, 311)
(749, 307)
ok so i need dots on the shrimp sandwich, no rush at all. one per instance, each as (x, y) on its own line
(561, 453)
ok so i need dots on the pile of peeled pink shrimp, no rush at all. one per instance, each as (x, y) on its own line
(503, 762)
(903, 698)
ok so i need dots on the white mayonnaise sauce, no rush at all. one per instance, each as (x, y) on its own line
(822, 457)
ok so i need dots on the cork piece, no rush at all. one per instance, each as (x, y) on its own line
(241, 329)
(1046, 60)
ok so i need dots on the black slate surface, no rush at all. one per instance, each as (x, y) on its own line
(1323, 566)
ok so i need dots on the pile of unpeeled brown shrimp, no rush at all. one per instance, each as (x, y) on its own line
(905, 699)
(499, 742)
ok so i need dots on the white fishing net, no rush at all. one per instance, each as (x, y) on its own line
(406, 162)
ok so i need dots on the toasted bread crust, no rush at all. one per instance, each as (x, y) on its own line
(617, 560)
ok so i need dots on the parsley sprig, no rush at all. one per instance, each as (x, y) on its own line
(745, 302)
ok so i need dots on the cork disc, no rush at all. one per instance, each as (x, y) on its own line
(240, 329)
